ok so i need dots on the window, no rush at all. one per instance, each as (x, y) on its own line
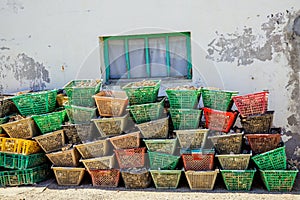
(147, 56)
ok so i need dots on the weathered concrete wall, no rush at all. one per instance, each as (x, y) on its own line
(247, 46)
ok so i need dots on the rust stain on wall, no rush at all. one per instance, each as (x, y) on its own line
(25, 68)
(246, 47)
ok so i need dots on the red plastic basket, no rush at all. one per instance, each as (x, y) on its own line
(252, 104)
(131, 158)
(261, 143)
(105, 177)
(198, 161)
(219, 120)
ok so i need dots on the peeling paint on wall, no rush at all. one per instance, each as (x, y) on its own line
(246, 47)
(24, 69)
(12, 5)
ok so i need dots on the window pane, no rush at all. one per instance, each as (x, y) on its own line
(137, 59)
(178, 56)
(117, 60)
(157, 54)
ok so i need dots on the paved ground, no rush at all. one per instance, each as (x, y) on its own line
(50, 190)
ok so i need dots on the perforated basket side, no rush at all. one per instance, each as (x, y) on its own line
(201, 180)
(193, 139)
(23, 128)
(105, 178)
(50, 142)
(66, 158)
(166, 179)
(93, 149)
(167, 146)
(261, 143)
(229, 143)
(234, 161)
(187, 99)
(155, 129)
(68, 175)
(105, 162)
(126, 141)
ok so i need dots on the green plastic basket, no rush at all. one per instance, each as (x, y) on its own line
(271, 160)
(2, 121)
(187, 99)
(166, 179)
(147, 112)
(17, 161)
(51, 121)
(238, 179)
(80, 92)
(218, 99)
(162, 161)
(185, 118)
(278, 180)
(143, 94)
(24, 177)
(79, 114)
(35, 103)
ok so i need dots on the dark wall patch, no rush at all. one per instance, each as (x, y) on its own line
(25, 68)
(296, 26)
(4, 48)
(246, 47)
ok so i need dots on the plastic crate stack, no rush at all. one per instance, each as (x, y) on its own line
(269, 155)
(198, 162)
(20, 152)
(147, 111)
(220, 119)
(80, 108)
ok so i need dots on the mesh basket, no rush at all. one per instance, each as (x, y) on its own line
(162, 161)
(229, 143)
(51, 121)
(19, 146)
(93, 149)
(142, 94)
(126, 141)
(185, 118)
(105, 162)
(136, 178)
(252, 104)
(218, 99)
(147, 112)
(193, 139)
(51, 141)
(87, 133)
(219, 120)
(2, 121)
(234, 161)
(68, 175)
(111, 103)
(24, 128)
(105, 177)
(80, 92)
(258, 123)
(61, 99)
(238, 179)
(166, 179)
(16, 161)
(271, 160)
(111, 126)
(131, 158)
(278, 180)
(7, 107)
(71, 133)
(80, 115)
(261, 143)
(187, 99)
(25, 176)
(167, 146)
(198, 161)
(35, 103)
(65, 158)
(201, 180)
(155, 129)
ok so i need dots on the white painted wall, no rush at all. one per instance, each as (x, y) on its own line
(65, 33)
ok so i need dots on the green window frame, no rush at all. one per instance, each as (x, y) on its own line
(105, 40)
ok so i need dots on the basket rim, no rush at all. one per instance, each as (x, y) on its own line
(62, 151)
(268, 152)
(153, 141)
(67, 105)
(250, 94)
(152, 121)
(110, 118)
(17, 121)
(97, 158)
(198, 90)
(68, 168)
(256, 135)
(98, 96)
(124, 135)
(90, 143)
(69, 82)
(128, 84)
(47, 134)
(33, 93)
(193, 172)
(144, 171)
(233, 155)
(225, 135)
(278, 170)
(238, 170)
(146, 104)
(269, 112)
(220, 90)
(192, 130)
(171, 171)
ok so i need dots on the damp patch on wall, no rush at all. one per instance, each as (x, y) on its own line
(245, 47)
(24, 69)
